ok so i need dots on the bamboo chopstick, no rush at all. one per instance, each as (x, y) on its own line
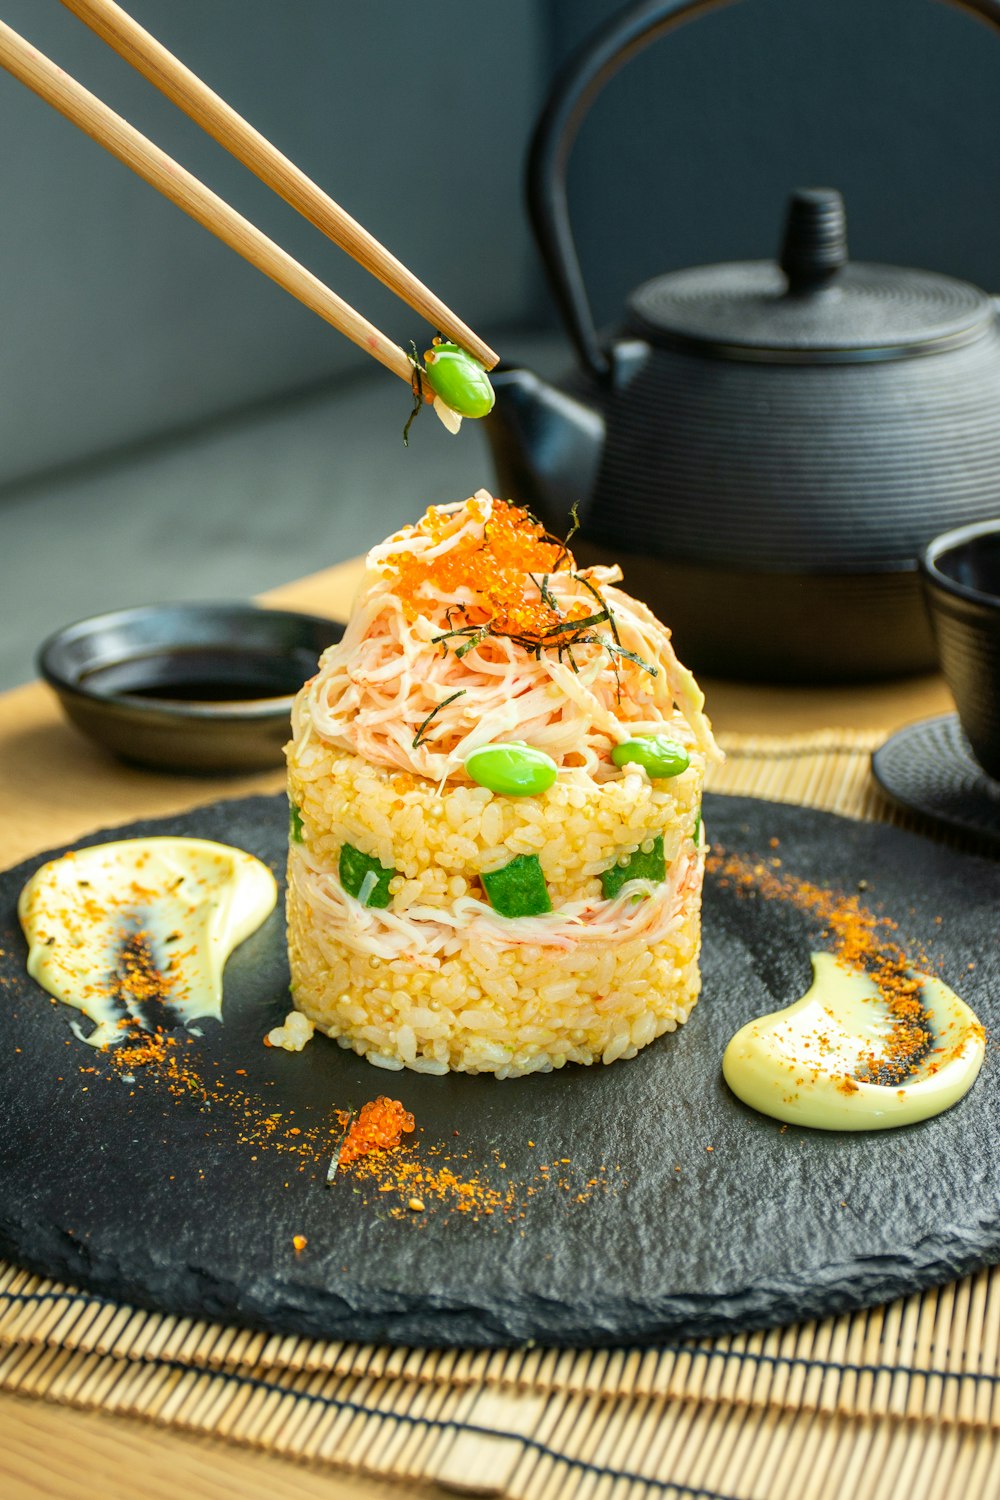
(167, 73)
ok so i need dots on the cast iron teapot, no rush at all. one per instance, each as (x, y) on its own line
(766, 447)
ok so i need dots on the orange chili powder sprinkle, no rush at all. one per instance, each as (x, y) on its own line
(373, 1146)
(496, 568)
(141, 1049)
(859, 940)
(380, 1126)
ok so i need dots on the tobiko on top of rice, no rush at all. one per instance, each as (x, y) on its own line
(496, 849)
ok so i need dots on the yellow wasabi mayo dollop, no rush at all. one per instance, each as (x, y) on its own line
(807, 1064)
(139, 931)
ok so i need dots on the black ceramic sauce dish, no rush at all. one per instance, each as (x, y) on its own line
(961, 577)
(187, 687)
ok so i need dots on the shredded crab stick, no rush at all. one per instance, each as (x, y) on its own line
(475, 625)
(424, 936)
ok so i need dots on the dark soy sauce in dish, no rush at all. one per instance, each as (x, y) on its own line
(202, 675)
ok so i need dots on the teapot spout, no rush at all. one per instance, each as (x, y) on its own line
(546, 445)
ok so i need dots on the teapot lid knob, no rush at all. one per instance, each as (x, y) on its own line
(816, 307)
(815, 244)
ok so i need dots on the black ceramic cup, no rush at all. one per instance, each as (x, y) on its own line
(961, 578)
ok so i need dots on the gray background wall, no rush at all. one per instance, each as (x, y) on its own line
(173, 426)
(122, 319)
(688, 155)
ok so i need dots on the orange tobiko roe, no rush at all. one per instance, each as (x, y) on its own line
(380, 1126)
(504, 568)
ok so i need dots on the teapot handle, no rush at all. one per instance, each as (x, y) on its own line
(576, 87)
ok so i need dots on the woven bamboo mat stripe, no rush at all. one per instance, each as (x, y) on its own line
(898, 1400)
(534, 1447)
(933, 1354)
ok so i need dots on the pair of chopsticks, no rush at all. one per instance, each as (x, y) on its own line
(215, 116)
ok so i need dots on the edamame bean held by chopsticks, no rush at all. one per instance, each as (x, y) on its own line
(459, 379)
(460, 385)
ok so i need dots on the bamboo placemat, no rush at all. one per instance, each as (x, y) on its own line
(902, 1400)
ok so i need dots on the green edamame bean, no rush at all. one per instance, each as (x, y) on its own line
(661, 757)
(513, 770)
(459, 380)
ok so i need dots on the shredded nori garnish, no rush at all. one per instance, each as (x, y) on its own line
(418, 738)
(548, 598)
(579, 578)
(571, 533)
(472, 636)
(417, 386)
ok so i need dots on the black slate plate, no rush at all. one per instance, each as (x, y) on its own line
(929, 768)
(157, 1200)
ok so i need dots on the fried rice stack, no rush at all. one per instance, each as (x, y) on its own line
(475, 628)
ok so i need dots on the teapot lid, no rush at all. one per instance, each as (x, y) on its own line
(813, 306)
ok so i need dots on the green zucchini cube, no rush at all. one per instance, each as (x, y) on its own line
(355, 867)
(518, 889)
(294, 824)
(651, 866)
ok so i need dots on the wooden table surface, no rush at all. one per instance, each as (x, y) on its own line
(56, 786)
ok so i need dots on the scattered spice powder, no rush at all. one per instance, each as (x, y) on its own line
(375, 1155)
(300, 1242)
(426, 1175)
(434, 1176)
(169, 1060)
(371, 1149)
(861, 940)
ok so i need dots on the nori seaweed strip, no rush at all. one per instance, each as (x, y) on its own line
(475, 634)
(579, 578)
(615, 650)
(571, 533)
(460, 630)
(574, 625)
(546, 535)
(632, 656)
(471, 644)
(417, 387)
(547, 596)
(572, 659)
(418, 737)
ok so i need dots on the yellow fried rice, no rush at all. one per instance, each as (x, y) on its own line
(484, 998)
